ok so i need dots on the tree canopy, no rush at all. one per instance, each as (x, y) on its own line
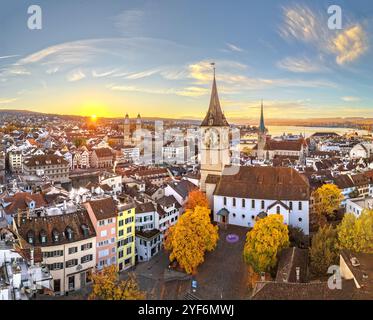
(191, 237)
(107, 286)
(327, 199)
(356, 234)
(268, 237)
(323, 251)
(196, 198)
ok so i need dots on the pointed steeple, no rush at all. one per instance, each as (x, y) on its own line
(126, 119)
(138, 120)
(262, 127)
(214, 116)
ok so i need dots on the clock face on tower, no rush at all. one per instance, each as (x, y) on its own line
(211, 138)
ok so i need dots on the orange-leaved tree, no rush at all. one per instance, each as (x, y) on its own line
(196, 198)
(191, 237)
(107, 286)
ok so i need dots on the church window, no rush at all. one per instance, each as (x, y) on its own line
(243, 203)
(291, 205)
(234, 202)
(253, 204)
(243, 216)
(262, 204)
(278, 210)
(300, 205)
(300, 219)
(225, 201)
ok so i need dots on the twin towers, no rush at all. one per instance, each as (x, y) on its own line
(128, 141)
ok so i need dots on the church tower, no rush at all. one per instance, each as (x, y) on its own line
(215, 153)
(262, 136)
(126, 133)
(138, 132)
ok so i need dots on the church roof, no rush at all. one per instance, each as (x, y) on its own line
(215, 116)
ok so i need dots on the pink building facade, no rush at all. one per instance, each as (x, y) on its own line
(103, 213)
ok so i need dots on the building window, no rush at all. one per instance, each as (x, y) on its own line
(278, 210)
(225, 201)
(299, 205)
(71, 263)
(253, 204)
(300, 219)
(87, 258)
(86, 246)
(234, 202)
(73, 250)
(120, 254)
(129, 250)
(262, 204)
(129, 229)
(291, 205)
(243, 203)
(121, 223)
(234, 215)
(243, 216)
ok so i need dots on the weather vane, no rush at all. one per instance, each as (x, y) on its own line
(213, 66)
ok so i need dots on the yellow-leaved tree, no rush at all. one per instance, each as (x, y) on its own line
(356, 234)
(191, 237)
(327, 199)
(268, 237)
(196, 198)
(107, 286)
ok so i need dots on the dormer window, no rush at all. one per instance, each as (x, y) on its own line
(32, 204)
(85, 230)
(30, 237)
(69, 233)
(55, 235)
(43, 236)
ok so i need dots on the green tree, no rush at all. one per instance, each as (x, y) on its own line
(263, 243)
(78, 142)
(323, 251)
(356, 234)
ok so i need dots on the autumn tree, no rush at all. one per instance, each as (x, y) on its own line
(323, 251)
(196, 198)
(297, 237)
(107, 286)
(327, 199)
(191, 237)
(268, 237)
(356, 234)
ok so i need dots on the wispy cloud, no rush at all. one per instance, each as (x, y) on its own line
(350, 44)
(9, 100)
(142, 74)
(300, 65)
(351, 99)
(233, 47)
(104, 74)
(308, 26)
(76, 75)
(7, 57)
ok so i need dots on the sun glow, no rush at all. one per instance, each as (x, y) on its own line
(93, 118)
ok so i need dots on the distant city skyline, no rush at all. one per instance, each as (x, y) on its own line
(153, 58)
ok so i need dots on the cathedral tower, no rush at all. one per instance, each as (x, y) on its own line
(262, 136)
(126, 133)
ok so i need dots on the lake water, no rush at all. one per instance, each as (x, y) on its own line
(308, 131)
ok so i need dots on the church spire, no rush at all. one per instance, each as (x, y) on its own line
(262, 128)
(214, 116)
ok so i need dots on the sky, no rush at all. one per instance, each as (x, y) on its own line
(112, 57)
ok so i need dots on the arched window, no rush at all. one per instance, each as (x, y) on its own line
(43, 236)
(262, 203)
(30, 237)
(69, 233)
(278, 210)
(55, 235)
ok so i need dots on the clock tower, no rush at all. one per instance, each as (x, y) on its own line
(215, 153)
